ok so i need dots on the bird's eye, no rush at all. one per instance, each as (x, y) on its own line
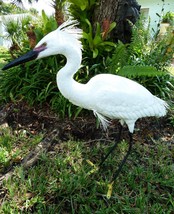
(41, 47)
(44, 44)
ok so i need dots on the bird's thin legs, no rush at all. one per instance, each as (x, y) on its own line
(113, 147)
(96, 168)
(124, 159)
(120, 166)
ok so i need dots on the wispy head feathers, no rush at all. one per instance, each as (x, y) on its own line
(70, 27)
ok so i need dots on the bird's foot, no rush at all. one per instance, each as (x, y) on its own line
(95, 168)
(110, 187)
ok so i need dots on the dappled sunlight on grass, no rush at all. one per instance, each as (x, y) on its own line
(60, 182)
(3, 56)
(171, 70)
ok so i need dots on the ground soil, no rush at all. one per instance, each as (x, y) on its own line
(40, 119)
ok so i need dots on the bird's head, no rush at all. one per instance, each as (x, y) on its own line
(53, 43)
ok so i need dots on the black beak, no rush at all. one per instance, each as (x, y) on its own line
(31, 55)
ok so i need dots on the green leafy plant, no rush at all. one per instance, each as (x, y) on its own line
(168, 18)
(35, 81)
(7, 8)
(44, 25)
(81, 10)
(145, 59)
(119, 58)
(16, 34)
(83, 5)
(158, 82)
(139, 71)
(96, 43)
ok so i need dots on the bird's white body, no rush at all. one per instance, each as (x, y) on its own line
(108, 96)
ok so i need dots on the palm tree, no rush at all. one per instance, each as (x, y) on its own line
(58, 5)
(18, 2)
(21, 1)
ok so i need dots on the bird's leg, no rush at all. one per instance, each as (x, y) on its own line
(120, 167)
(95, 168)
(113, 147)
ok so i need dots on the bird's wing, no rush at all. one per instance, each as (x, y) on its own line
(122, 98)
(117, 104)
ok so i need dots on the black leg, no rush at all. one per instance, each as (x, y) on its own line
(124, 159)
(113, 147)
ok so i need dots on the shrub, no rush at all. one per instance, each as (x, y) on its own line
(168, 18)
(146, 59)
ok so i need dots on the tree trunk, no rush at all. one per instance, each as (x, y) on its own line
(123, 12)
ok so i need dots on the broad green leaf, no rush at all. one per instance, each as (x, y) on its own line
(112, 26)
(108, 44)
(95, 53)
(97, 40)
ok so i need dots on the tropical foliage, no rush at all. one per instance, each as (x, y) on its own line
(145, 59)
(168, 18)
(9, 8)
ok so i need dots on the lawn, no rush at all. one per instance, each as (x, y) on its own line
(3, 56)
(59, 182)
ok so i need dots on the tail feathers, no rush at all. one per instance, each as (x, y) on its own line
(104, 122)
(162, 107)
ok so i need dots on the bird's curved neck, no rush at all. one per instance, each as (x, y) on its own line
(66, 84)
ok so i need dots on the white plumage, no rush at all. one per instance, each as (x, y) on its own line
(108, 96)
(117, 97)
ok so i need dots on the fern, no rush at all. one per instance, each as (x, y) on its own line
(119, 58)
(140, 71)
(157, 81)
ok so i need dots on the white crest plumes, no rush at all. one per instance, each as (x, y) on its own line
(70, 27)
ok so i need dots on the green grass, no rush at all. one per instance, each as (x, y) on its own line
(4, 54)
(14, 146)
(60, 183)
(2, 63)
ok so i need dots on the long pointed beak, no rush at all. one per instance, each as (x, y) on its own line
(31, 55)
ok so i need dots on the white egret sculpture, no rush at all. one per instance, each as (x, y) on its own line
(108, 96)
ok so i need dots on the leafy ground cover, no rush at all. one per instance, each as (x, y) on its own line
(59, 182)
(3, 56)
